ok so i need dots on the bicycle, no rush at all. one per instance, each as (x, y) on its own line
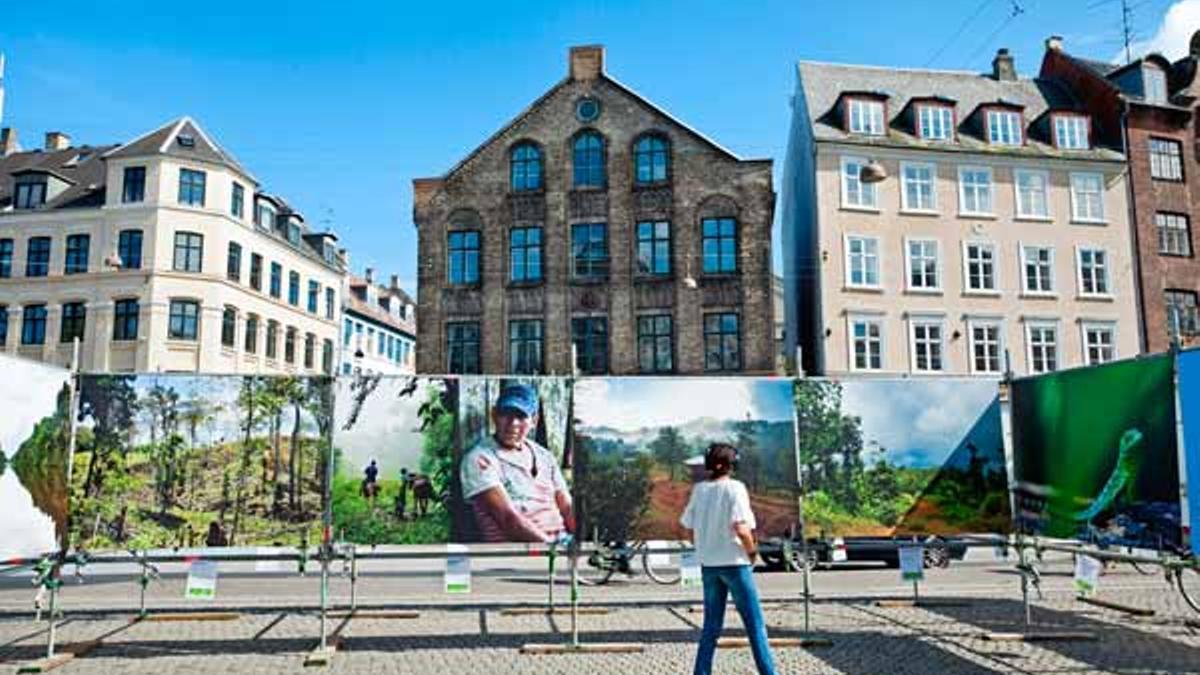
(609, 558)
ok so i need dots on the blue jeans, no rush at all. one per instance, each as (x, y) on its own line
(719, 583)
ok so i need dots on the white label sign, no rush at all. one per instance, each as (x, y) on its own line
(1087, 574)
(201, 581)
(458, 569)
(689, 569)
(838, 552)
(912, 563)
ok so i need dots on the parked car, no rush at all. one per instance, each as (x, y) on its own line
(825, 553)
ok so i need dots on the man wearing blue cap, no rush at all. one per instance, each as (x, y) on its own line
(514, 485)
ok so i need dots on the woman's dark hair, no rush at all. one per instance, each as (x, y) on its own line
(720, 460)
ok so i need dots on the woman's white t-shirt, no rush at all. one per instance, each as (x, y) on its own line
(713, 509)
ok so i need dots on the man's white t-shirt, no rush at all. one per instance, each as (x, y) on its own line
(713, 509)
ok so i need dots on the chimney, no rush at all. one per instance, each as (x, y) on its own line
(8, 141)
(1054, 42)
(57, 140)
(1003, 68)
(395, 282)
(370, 275)
(587, 62)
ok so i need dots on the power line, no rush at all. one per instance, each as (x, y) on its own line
(1017, 10)
(974, 15)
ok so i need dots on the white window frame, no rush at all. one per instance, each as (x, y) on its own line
(1174, 229)
(926, 320)
(962, 191)
(1085, 327)
(985, 322)
(937, 287)
(1032, 324)
(853, 317)
(865, 189)
(1019, 208)
(940, 122)
(1170, 167)
(1025, 290)
(1104, 268)
(1009, 132)
(1076, 202)
(966, 268)
(1071, 132)
(870, 121)
(1155, 95)
(849, 275)
(904, 182)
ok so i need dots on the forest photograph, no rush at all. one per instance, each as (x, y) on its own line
(200, 461)
(901, 457)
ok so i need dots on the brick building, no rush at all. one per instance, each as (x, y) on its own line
(596, 220)
(1148, 107)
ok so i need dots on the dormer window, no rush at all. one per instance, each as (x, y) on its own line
(186, 141)
(864, 116)
(1071, 132)
(935, 122)
(30, 193)
(293, 234)
(1004, 127)
(264, 216)
(1155, 83)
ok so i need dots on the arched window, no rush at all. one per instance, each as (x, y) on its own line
(589, 160)
(525, 162)
(651, 158)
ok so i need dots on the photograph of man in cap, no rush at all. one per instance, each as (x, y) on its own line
(514, 485)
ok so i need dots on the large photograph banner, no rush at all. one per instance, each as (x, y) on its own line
(640, 445)
(394, 443)
(35, 428)
(200, 461)
(883, 458)
(1095, 454)
(1189, 404)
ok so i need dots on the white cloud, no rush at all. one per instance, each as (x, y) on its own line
(1174, 34)
(631, 404)
(387, 429)
(26, 403)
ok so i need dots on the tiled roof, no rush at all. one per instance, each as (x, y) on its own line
(80, 167)
(376, 312)
(164, 140)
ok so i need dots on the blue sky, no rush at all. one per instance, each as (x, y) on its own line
(629, 404)
(338, 106)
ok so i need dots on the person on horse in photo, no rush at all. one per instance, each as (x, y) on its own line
(402, 495)
(370, 484)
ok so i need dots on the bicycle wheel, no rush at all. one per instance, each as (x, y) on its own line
(1188, 579)
(595, 569)
(661, 566)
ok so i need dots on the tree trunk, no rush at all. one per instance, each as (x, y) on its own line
(293, 454)
(246, 447)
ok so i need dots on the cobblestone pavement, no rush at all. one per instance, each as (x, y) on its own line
(865, 638)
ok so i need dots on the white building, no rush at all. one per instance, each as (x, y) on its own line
(160, 254)
(379, 328)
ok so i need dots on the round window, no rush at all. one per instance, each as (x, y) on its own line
(587, 109)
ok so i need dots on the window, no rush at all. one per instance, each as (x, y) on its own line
(229, 326)
(654, 247)
(589, 251)
(76, 261)
(382, 344)
(289, 345)
(919, 187)
(464, 257)
(189, 251)
(33, 325)
(37, 261)
(134, 187)
(294, 288)
(975, 191)
(525, 254)
(980, 261)
(720, 245)
(310, 350)
(1004, 127)
(1038, 264)
(293, 233)
(866, 339)
(1093, 271)
(855, 193)
(314, 296)
(125, 320)
(6, 258)
(525, 167)
(655, 350)
(3, 326)
(256, 262)
(1174, 235)
(590, 336)
(251, 340)
(348, 333)
(1031, 187)
(935, 122)
(1166, 159)
(74, 320)
(276, 280)
(330, 302)
(1099, 343)
(327, 357)
(1042, 342)
(927, 345)
(264, 216)
(525, 347)
(589, 160)
(866, 117)
(985, 346)
(191, 187)
(924, 271)
(1155, 84)
(462, 348)
(862, 261)
(29, 194)
(1071, 132)
(1087, 197)
(183, 322)
(272, 339)
(237, 201)
(1181, 312)
(722, 342)
(651, 159)
(129, 249)
(233, 266)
